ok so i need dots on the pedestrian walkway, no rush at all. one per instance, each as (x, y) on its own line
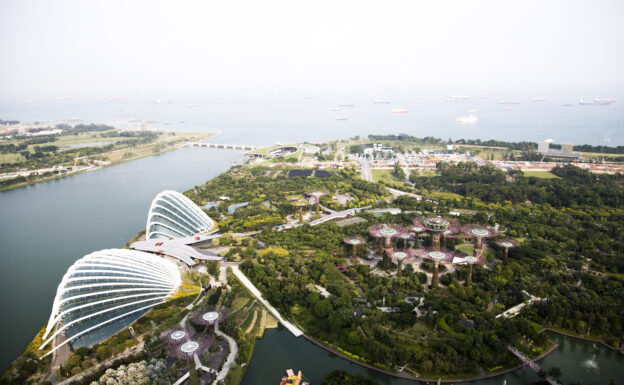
(250, 286)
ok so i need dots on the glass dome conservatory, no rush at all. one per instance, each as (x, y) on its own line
(172, 215)
(105, 291)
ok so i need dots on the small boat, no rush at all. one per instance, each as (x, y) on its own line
(399, 111)
(467, 119)
(473, 111)
(506, 108)
(346, 105)
(540, 100)
(381, 102)
(339, 118)
(293, 379)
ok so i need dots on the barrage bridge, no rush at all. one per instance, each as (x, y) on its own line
(223, 146)
(532, 364)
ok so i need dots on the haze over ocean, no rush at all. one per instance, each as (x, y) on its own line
(265, 119)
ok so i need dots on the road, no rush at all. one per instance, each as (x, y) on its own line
(367, 174)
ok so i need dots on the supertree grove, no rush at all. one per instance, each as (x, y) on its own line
(387, 232)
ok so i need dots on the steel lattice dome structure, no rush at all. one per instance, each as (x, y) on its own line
(105, 291)
(172, 215)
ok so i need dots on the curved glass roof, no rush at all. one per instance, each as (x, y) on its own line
(105, 291)
(172, 215)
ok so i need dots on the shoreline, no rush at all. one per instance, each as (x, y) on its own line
(426, 380)
(121, 161)
(580, 337)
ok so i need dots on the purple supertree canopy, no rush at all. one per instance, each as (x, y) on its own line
(399, 254)
(383, 230)
(177, 336)
(209, 315)
(479, 231)
(190, 347)
(436, 225)
(507, 243)
(354, 241)
(445, 257)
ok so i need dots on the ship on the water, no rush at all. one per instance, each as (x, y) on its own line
(346, 105)
(458, 98)
(597, 102)
(293, 379)
(467, 119)
(381, 101)
(339, 118)
(399, 111)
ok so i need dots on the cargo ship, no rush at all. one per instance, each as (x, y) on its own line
(292, 379)
(597, 102)
(399, 111)
(458, 98)
(467, 119)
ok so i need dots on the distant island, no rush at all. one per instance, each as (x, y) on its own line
(421, 258)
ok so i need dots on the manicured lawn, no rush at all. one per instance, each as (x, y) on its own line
(540, 174)
(384, 175)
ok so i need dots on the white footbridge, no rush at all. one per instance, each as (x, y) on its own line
(222, 146)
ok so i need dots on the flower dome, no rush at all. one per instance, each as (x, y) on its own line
(172, 215)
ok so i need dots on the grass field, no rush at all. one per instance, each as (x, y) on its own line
(540, 174)
(600, 155)
(427, 173)
(10, 158)
(384, 175)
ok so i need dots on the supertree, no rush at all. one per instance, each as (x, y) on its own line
(478, 232)
(317, 194)
(507, 244)
(399, 256)
(447, 257)
(470, 260)
(301, 203)
(437, 226)
(182, 343)
(405, 238)
(386, 232)
(177, 336)
(209, 316)
(354, 242)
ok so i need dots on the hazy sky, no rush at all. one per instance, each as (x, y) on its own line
(108, 48)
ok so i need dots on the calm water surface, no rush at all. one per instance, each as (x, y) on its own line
(279, 350)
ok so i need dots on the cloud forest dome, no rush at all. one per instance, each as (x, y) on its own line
(172, 215)
(105, 291)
